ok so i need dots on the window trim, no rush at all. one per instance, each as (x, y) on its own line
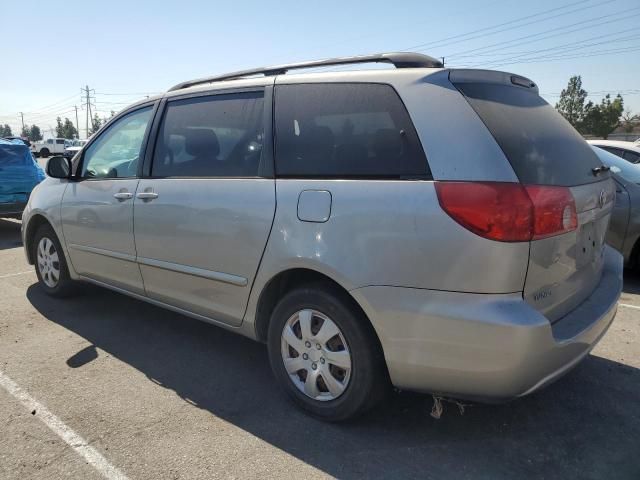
(266, 167)
(154, 109)
(626, 152)
(383, 177)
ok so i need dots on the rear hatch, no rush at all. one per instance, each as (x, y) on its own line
(547, 154)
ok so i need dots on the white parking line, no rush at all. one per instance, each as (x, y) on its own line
(16, 274)
(629, 306)
(71, 438)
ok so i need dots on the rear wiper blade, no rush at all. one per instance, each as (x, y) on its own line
(598, 170)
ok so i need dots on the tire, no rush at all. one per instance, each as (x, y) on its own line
(49, 261)
(358, 387)
(44, 153)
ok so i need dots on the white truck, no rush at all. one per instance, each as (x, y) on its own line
(50, 146)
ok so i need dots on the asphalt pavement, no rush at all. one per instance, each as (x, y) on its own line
(153, 395)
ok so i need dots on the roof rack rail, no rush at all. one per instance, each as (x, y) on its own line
(399, 60)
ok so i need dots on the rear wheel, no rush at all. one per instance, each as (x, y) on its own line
(44, 153)
(324, 354)
(50, 263)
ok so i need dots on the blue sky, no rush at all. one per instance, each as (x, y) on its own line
(126, 49)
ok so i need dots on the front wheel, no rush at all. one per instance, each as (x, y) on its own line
(325, 355)
(50, 263)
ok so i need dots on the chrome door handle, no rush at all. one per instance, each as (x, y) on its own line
(147, 195)
(123, 195)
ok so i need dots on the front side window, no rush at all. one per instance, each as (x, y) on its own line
(214, 136)
(615, 151)
(632, 157)
(116, 153)
(345, 131)
(60, 142)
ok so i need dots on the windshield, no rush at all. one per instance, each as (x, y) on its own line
(629, 171)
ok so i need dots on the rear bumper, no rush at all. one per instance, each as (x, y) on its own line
(485, 347)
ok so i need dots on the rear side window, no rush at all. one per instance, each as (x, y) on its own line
(542, 147)
(216, 136)
(345, 131)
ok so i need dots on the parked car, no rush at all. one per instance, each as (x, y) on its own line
(624, 229)
(440, 230)
(630, 151)
(19, 174)
(50, 146)
(75, 146)
(22, 139)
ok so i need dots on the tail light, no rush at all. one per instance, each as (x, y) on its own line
(509, 212)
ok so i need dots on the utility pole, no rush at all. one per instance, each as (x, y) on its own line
(22, 118)
(77, 124)
(87, 99)
(442, 61)
(87, 112)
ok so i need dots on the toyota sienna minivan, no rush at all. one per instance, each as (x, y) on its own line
(439, 230)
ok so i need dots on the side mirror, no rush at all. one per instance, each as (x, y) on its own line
(59, 167)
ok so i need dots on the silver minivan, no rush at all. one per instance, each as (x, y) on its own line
(439, 230)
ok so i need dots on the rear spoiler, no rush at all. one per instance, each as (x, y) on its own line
(490, 76)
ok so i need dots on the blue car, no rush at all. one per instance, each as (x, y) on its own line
(19, 174)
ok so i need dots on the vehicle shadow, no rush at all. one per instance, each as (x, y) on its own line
(631, 282)
(585, 426)
(9, 234)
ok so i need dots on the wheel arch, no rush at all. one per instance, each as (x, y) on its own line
(285, 281)
(634, 256)
(35, 222)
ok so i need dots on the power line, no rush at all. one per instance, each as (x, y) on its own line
(562, 48)
(563, 31)
(460, 38)
(129, 94)
(572, 56)
(54, 104)
(565, 46)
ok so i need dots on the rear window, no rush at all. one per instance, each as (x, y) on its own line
(542, 147)
(345, 131)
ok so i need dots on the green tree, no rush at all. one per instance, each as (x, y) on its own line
(629, 121)
(25, 132)
(59, 128)
(96, 123)
(65, 129)
(571, 103)
(5, 131)
(34, 133)
(69, 129)
(600, 120)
